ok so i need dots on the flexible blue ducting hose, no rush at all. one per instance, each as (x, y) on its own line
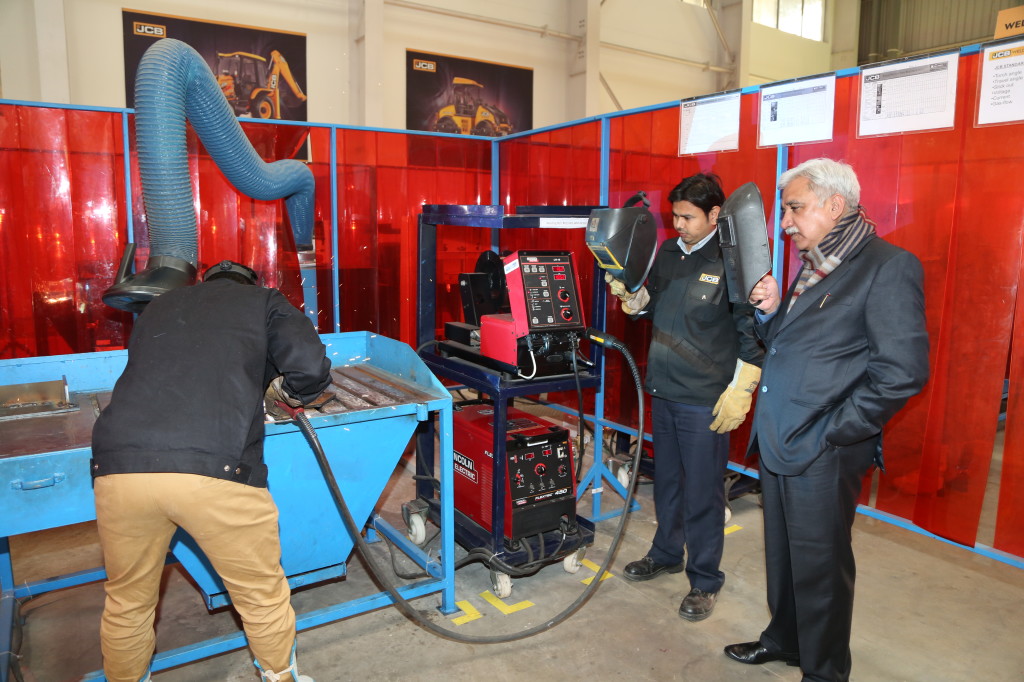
(174, 83)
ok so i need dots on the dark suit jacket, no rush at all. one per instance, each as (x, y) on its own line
(844, 360)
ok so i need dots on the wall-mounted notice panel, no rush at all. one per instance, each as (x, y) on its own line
(710, 124)
(908, 95)
(1001, 95)
(797, 111)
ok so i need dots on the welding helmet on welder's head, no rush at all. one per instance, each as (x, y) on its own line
(229, 268)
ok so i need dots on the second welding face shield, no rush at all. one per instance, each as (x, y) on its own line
(624, 240)
(744, 239)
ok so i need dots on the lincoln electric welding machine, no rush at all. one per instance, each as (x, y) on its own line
(540, 491)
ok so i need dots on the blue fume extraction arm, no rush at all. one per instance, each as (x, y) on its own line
(174, 83)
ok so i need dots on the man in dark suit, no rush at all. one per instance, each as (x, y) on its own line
(845, 350)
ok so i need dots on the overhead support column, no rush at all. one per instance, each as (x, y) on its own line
(367, 101)
(584, 91)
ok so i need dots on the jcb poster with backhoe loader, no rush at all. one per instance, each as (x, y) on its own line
(261, 72)
(252, 84)
(465, 97)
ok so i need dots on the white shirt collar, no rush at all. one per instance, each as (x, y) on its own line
(688, 250)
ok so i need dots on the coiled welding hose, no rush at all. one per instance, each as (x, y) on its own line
(400, 602)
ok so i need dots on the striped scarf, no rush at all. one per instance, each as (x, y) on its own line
(820, 261)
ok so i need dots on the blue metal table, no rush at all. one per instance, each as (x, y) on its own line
(386, 391)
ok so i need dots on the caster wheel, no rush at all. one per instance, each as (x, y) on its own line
(417, 529)
(573, 562)
(728, 513)
(501, 584)
(622, 475)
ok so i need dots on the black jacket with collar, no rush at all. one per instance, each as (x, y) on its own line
(840, 363)
(696, 335)
(190, 399)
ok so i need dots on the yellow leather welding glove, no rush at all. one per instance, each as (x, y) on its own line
(632, 303)
(734, 403)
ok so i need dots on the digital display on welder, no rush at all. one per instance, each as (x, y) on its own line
(549, 290)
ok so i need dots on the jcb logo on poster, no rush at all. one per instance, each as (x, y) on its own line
(140, 28)
(424, 65)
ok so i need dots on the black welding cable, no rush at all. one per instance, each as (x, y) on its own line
(581, 419)
(402, 604)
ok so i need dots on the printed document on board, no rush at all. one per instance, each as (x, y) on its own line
(797, 111)
(908, 95)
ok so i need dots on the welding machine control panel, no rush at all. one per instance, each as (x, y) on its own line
(547, 283)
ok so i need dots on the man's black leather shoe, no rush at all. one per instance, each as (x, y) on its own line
(697, 605)
(647, 568)
(755, 653)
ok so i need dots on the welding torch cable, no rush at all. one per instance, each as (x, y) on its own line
(402, 604)
(580, 417)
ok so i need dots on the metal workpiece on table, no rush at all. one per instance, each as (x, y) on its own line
(364, 387)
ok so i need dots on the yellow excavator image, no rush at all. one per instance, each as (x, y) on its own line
(250, 83)
(469, 114)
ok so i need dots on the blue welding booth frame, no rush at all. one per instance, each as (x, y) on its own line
(54, 489)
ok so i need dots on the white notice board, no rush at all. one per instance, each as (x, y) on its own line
(710, 124)
(797, 111)
(1001, 95)
(908, 95)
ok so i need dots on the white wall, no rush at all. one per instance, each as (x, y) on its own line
(356, 48)
(668, 27)
(768, 54)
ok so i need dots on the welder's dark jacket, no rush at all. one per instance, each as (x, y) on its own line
(696, 335)
(190, 399)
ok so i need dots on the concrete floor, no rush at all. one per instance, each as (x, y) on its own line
(925, 611)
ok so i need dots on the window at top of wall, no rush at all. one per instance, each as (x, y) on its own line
(805, 18)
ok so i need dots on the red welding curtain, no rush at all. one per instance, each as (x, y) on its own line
(951, 198)
(62, 221)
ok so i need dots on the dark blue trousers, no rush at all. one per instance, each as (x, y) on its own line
(808, 521)
(689, 491)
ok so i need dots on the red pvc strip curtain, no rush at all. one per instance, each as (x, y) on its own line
(926, 192)
(61, 214)
(235, 227)
(645, 156)
(1009, 532)
(560, 167)
(383, 181)
(63, 222)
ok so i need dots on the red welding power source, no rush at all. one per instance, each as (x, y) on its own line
(540, 484)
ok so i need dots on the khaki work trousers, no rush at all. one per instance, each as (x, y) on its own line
(236, 527)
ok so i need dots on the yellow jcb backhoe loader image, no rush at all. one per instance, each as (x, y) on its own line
(469, 114)
(251, 84)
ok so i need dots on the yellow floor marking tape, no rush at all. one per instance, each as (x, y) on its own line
(733, 528)
(502, 606)
(469, 611)
(595, 568)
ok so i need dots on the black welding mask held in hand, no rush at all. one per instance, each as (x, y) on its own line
(744, 239)
(624, 240)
